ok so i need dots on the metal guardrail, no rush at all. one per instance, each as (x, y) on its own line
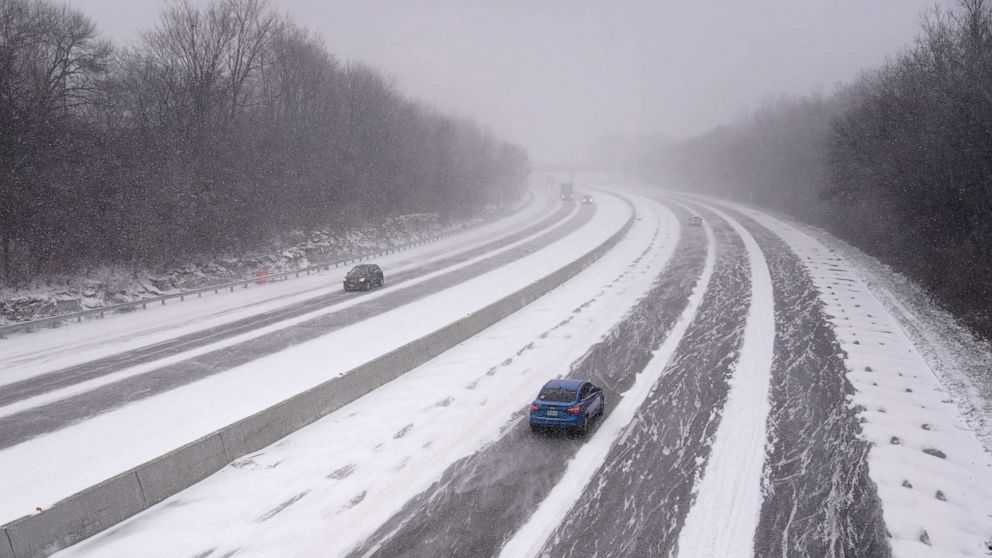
(98, 313)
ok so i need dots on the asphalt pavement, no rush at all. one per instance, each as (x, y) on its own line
(819, 499)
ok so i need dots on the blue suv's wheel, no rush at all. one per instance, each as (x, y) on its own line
(584, 425)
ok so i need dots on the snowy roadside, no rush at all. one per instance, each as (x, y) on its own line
(961, 360)
(327, 487)
(109, 285)
(930, 468)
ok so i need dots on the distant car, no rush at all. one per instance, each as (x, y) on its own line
(363, 277)
(567, 403)
(695, 221)
(587, 199)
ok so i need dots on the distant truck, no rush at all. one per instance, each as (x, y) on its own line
(567, 192)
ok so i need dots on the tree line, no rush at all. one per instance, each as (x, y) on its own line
(898, 163)
(225, 126)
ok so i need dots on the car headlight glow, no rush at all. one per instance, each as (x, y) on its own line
(361, 279)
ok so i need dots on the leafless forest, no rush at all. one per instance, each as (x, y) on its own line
(898, 163)
(225, 126)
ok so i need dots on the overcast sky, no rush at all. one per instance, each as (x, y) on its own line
(554, 75)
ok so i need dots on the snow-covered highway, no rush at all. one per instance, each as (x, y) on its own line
(124, 435)
(760, 401)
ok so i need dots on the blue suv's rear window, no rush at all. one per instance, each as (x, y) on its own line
(557, 395)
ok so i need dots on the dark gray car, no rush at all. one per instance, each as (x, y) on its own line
(363, 278)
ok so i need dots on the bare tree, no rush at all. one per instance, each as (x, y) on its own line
(226, 126)
(899, 163)
(50, 62)
(254, 26)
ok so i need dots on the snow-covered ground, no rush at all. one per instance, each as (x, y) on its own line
(961, 359)
(932, 473)
(356, 467)
(107, 444)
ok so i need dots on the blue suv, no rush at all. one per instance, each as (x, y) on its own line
(569, 403)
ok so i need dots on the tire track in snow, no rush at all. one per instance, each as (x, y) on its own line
(727, 502)
(636, 499)
(818, 498)
(481, 500)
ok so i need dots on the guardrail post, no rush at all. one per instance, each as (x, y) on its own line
(163, 302)
(182, 297)
(101, 314)
(232, 288)
(144, 306)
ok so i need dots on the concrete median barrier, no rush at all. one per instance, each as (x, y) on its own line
(176, 470)
(104, 505)
(77, 517)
